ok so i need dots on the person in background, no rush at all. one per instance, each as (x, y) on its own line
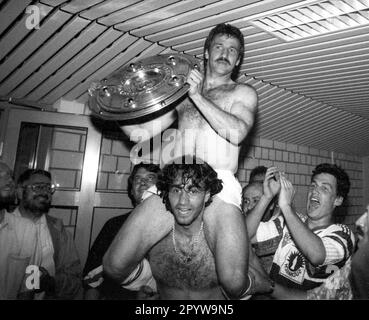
(258, 174)
(59, 264)
(360, 261)
(18, 242)
(349, 282)
(311, 246)
(251, 195)
(142, 177)
(7, 188)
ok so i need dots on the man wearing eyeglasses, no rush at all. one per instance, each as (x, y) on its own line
(60, 268)
(18, 238)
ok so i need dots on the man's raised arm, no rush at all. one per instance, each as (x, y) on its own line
(306, 240)
(242, 111)
(271, 187)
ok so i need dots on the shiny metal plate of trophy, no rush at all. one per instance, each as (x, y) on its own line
(142, 88)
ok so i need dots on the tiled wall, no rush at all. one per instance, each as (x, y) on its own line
(114, 164)
(366, 180)
(298, 163)
(114, 169)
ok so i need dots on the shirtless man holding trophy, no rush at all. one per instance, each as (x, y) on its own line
(213, 121)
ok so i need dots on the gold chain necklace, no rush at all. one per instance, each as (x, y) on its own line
(194, 240)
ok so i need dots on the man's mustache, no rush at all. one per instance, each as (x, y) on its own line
(224, 59)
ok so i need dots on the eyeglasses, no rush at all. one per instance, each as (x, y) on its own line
(147, 179)
(41, 187)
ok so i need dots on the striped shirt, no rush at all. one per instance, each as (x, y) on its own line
(291, 268)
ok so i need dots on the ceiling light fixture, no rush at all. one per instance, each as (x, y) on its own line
(316, 19)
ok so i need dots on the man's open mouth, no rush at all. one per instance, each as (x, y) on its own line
(184, 211)
(314, 201)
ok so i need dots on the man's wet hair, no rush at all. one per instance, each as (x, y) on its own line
(199, 172)
(229, 30)
(259, 170)
(343, 180)
(28, 173)
(150, 167)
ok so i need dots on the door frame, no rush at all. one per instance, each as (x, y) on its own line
(84, 198)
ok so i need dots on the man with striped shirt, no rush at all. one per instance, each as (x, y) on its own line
(309, 248)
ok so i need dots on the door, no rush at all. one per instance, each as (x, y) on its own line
(68, 146)
(90, 165)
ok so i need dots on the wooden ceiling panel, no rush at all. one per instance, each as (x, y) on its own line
(10, 12)
(263, 65)
(309, 62)
(111, 66)
(33, 42)
(295, 72)
(290, 115)
(45, 52)
(325, 129)
(127, 44)
(221, 11)
(139, 10)
(344, 78)
(170, 16)
(330, 87)
(54, 3)
(17, 32)
(105, 8)
(303, 53)
(175, 33)
(76, 6)
(320, 119)
(282, 107)
(314, 91)
(197, 19)
(62, 57)
(91, 51)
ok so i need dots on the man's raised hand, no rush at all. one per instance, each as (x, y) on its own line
(287, 192)
(271, 184)
(195, 80)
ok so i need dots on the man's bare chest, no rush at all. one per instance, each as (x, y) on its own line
(191, 114)
(173, 270)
